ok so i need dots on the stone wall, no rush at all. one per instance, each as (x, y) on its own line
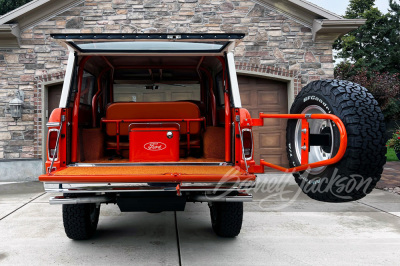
(274, 43)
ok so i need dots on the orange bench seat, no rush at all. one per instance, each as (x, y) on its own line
(153, 111)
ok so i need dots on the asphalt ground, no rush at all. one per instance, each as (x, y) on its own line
(281, 227)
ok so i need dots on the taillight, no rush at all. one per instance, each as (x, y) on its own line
(247, 143)
(51, 143)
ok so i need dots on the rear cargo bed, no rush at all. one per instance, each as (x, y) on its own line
(149, 174)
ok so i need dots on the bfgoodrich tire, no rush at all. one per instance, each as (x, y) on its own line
(361, 167)
(80, 220)
(226, 218)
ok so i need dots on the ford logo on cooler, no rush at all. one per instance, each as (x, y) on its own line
(155, 146)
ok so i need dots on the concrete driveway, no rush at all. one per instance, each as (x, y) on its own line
(281, 227)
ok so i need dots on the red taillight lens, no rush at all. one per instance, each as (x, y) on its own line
(247, 143)
(51, 143)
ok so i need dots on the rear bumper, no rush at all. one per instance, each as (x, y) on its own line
(63, 187)
(106, 199)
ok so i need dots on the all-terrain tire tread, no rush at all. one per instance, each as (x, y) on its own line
(365, 126)
(229, 218)
(77, 223)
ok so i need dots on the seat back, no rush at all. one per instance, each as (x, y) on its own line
(152, 110)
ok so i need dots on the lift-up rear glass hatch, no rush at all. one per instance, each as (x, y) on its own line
(149, 43)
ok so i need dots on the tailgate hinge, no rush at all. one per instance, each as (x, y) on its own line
(174, 37)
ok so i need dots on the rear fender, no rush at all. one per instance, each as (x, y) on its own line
(243, 122)
(58, 117)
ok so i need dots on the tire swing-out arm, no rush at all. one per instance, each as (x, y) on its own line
(305, 140)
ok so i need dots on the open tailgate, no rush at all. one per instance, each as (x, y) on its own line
(149, 174)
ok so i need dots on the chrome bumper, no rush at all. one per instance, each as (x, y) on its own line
(51, 187)
(104, 199)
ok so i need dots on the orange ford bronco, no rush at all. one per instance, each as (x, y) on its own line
(152, 121)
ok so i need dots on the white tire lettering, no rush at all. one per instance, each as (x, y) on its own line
(315, 98)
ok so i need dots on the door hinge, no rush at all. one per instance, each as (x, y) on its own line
(174, 37)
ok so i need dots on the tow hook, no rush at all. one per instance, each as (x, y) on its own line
(178, 190)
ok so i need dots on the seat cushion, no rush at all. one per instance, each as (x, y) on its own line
(153, 110)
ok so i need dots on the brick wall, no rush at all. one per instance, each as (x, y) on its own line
(274, 44)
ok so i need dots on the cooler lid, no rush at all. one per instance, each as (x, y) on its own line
(152, 129)
(166, 126)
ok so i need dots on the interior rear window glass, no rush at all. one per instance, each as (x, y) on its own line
(88, 87)
(220, 90)
(156, 92)
(150, 46)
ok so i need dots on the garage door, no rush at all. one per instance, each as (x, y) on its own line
(267, 96)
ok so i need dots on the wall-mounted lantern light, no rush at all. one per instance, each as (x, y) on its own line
(16, 105)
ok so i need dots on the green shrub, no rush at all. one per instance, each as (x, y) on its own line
(394, 142)
(384, 86)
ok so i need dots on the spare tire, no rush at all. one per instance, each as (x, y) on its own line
(361, 167)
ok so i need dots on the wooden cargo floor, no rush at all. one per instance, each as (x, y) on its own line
(149, 170)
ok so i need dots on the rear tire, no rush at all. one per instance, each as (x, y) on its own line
(80, 220)
(226, 218)
(361, 167)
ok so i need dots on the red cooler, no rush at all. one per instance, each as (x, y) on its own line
(154, 142)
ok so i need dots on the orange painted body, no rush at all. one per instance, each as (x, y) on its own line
(55, 116)
(168, 178)
(61, 154)
(245, 122)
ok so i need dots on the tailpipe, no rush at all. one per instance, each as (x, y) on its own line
(82, 200)
(237, 198)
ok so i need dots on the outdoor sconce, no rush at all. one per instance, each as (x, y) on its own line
(16, 105)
